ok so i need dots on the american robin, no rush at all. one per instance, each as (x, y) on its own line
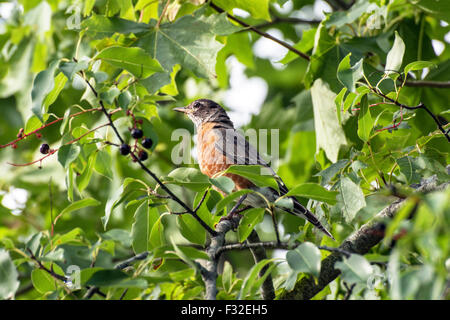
(219, 146)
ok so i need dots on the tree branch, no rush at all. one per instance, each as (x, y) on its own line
(419, 106)
(279, 20)
(426, 83)
(369, 235)
(261, 33)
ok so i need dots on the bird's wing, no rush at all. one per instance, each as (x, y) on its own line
(238, 150)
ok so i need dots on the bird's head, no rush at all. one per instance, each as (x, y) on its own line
(204, 110)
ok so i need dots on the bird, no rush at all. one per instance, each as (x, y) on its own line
(220, 145)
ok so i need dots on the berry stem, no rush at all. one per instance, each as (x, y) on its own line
(23, 136)
(52, 151)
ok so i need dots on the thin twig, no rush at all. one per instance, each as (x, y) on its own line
(291, 20)
(419, 106)
(349, 290)
(427, 83)
(261, 33)
(163, 13)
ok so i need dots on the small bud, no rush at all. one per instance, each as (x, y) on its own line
(20, 134)
(38, 135)
(14, 146)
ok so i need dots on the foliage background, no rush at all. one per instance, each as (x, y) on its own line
(359, 152)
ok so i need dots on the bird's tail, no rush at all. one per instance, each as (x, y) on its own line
(300, 211)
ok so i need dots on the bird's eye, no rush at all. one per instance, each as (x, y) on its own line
(197, 105)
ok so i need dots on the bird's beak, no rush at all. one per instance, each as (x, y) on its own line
(184, 110)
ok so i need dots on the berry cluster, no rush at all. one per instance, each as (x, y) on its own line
(137, 134)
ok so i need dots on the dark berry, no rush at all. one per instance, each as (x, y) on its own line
(124, 149)
(143, 155)
(147, 143)
(45, 148)
(137, 133)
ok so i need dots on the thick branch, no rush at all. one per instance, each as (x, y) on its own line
(360, 242)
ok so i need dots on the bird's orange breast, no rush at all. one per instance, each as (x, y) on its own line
(211, 160)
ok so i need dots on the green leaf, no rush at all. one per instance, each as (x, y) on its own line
(60, 82)
(103, 163)
(258, 9)
(355, 269)
(257, 174)
(402, 214)
(351, 198)
(304, 45)
(55, 255)
(144, 219)
(341, 18)
(85, 178)
(9, 282)
(119, 235)
(88, 6)
(418, 65)
(250, 219)
(34, 243)
(189, 177)
(223, 183)
(365, 121)
(74, 235)
(329, 134)
(227, 276)
(348, 75)
(80, 204)
(191, 229)
(42, 281)
(68, 154)
(134, 60)
(106, 27)
(315, 192)
(189, 41)
(43, 84)
(329, 173)
(408, 168)
(111, 204)
(124, 99)
(110, 95)
(339, 102)
(395, 56)
(250, 280)
(157, 238)
(230, 198)
(147, 111)
(305, 258)
(69, 69)
(115, 279)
